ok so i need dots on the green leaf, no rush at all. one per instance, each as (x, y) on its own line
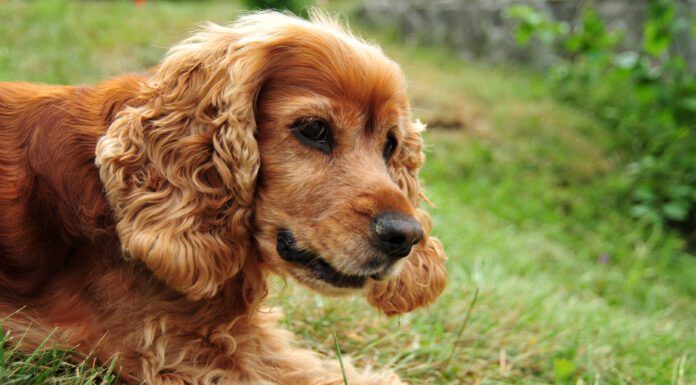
(640, 211)
(563, 369)
(644, 194)
(689, 103)
(680, 191)
(675, 210)
(626, 60)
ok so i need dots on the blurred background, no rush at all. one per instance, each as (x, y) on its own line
(561, 162)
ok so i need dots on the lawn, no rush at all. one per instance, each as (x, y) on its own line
(549, 282)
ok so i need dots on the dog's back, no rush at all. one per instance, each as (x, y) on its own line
(50, 193)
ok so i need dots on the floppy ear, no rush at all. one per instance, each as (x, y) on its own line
(180, 169)
(423, 276)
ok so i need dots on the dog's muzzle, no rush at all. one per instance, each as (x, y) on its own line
(287, 248)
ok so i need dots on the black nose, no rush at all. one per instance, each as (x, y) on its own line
(397, 233)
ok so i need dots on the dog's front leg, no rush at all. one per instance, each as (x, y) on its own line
(249, 351)
(304, 367)
(292, 366)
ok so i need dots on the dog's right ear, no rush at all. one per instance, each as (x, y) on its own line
(180, 169)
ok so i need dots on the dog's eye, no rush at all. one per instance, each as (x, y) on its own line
(389, 147)
(314, 133)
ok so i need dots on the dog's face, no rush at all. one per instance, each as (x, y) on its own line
(283, 133)
(331, 123)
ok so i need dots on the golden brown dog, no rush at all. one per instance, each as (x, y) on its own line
(141, 216)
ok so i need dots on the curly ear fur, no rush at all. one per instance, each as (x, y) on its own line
(180, 170)
(423, 276)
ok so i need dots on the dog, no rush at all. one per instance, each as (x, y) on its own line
(143, 216)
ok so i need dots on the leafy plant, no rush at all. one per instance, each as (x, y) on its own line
(298, 7)
(534, 24)
(648, 97)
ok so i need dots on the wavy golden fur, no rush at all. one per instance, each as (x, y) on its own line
(141, 216)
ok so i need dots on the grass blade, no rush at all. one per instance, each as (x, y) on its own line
(340, 359)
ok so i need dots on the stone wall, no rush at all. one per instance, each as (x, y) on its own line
(479, 28)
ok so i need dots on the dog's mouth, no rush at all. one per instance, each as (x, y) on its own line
(287, 248)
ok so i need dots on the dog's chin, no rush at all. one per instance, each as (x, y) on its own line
(315, 272)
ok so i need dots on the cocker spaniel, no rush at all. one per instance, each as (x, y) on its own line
(142, 216)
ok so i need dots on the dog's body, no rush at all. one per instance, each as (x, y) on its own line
(166, 193)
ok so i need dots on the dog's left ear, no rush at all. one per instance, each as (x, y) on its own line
(180, 168)
(423, 277)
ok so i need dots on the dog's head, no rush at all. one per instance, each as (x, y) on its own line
(288, 135)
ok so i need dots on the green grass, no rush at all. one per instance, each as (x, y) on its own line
(550, 283)
(47, 365)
